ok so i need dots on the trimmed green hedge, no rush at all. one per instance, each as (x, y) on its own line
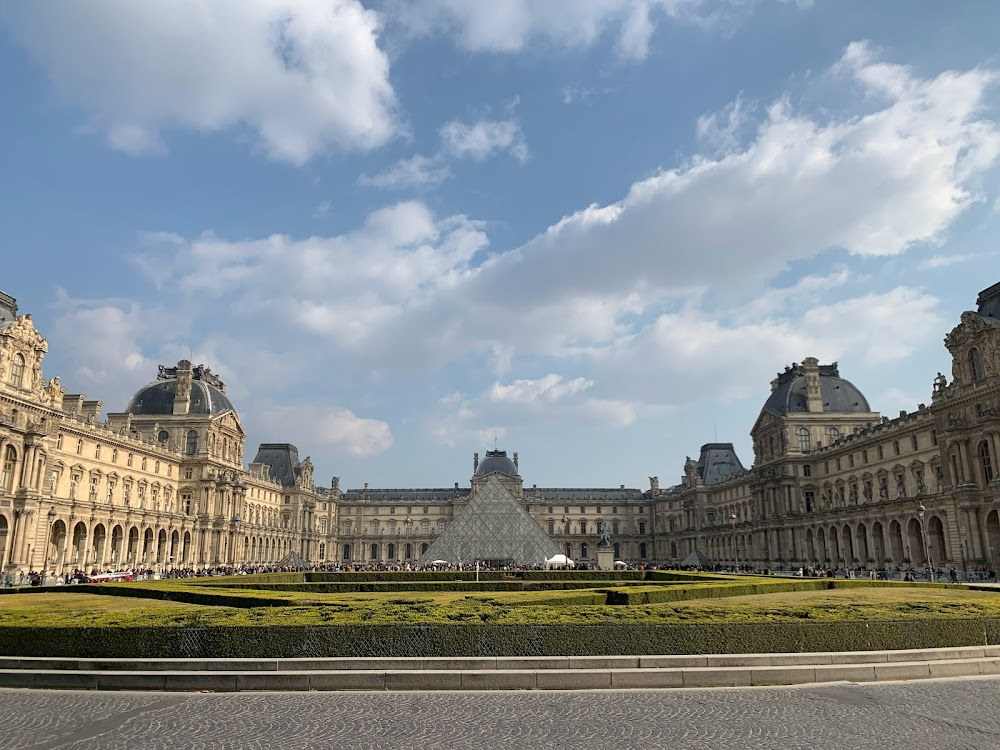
(428, 586)
(493, 640)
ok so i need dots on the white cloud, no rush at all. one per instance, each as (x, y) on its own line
(322, 209)
(303, 76)
(526, 404)
(329, 427)
(481, 139)
(943, 261)
(511, 26)
(408, 290)
(415, 172)
(552, 387)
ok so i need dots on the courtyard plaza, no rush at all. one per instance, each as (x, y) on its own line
(953, 714)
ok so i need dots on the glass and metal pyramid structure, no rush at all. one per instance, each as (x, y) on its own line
(493, 527)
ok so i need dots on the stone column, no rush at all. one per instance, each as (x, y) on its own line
(963, 453)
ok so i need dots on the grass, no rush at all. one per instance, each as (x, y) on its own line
(67, 607)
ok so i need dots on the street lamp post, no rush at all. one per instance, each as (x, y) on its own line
(921, 510)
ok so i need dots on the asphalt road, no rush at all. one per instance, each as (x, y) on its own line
(938, 715)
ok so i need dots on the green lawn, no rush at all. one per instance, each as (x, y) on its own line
(71, 608)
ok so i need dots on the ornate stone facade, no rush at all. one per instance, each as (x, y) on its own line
(163, 483)
(835, 484)
(158, 486)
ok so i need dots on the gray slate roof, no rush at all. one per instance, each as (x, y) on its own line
(838, 395)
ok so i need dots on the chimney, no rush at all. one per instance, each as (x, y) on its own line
(814, 398)
(515, 461)
(182, 396)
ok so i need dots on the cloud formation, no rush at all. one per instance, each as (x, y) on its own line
(511, 26)
(304, 77)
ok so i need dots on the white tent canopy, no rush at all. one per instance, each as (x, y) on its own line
(558, 560)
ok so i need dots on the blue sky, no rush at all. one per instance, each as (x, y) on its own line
(592, 229)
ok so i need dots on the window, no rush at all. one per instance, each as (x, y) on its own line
(374, 527)
(188, 472)
(614, 509)
(374, 552)
(913, 442)
(642, 527)
(582, 510)
(192, 442)
(322, 551)
(803, 434)
(642, 550)
(143, 463)
(672, 525)
(583, 550)
(127, 494)
(128, 460)
(807, 470)
(163, 437)
(810, 500)
(832, 433)
(614, 526)
(17, 371)
(426, 510)
(881, 453)
(93, 488)
(347, 552)
(975, 364)
(895, 447)
(552, 526)
(114, 455)
(97, 450)
(9, 462)
(79, 446)
(59, 441)
(111, 491)
(440, 526)
(583, 526)
(550, 509)
(985, 462)
(425, 527)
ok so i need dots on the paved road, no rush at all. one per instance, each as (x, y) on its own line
(938, 715)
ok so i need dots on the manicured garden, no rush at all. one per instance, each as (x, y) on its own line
(452, 614)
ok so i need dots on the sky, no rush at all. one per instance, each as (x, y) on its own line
(590, 231)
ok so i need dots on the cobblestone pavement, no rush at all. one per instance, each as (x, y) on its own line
(943, 715)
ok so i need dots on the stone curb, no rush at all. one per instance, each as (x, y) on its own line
(503, 663)
(535, 673)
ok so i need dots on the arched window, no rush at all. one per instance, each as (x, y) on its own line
(391, 552)
(9, 462)
(832, 433)
(569, 551)
(374, 552)
(17, 371)
(163, 437)
(985, 461)
(583, 551)
(409, 551)
(642, 550)
(803, 434)
(975, 363)
(618, 551)
(322, 551)
(192, 442)
(424, 547)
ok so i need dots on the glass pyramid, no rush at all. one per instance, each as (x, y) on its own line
(494, 527)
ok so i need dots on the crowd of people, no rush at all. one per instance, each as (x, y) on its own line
(40, 578)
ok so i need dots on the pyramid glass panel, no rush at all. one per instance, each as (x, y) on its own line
(494, 526)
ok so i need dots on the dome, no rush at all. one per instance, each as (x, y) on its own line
(208, 395)
(838, 395)
(496, 461)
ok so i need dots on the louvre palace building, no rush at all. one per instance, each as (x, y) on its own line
(165, 485)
